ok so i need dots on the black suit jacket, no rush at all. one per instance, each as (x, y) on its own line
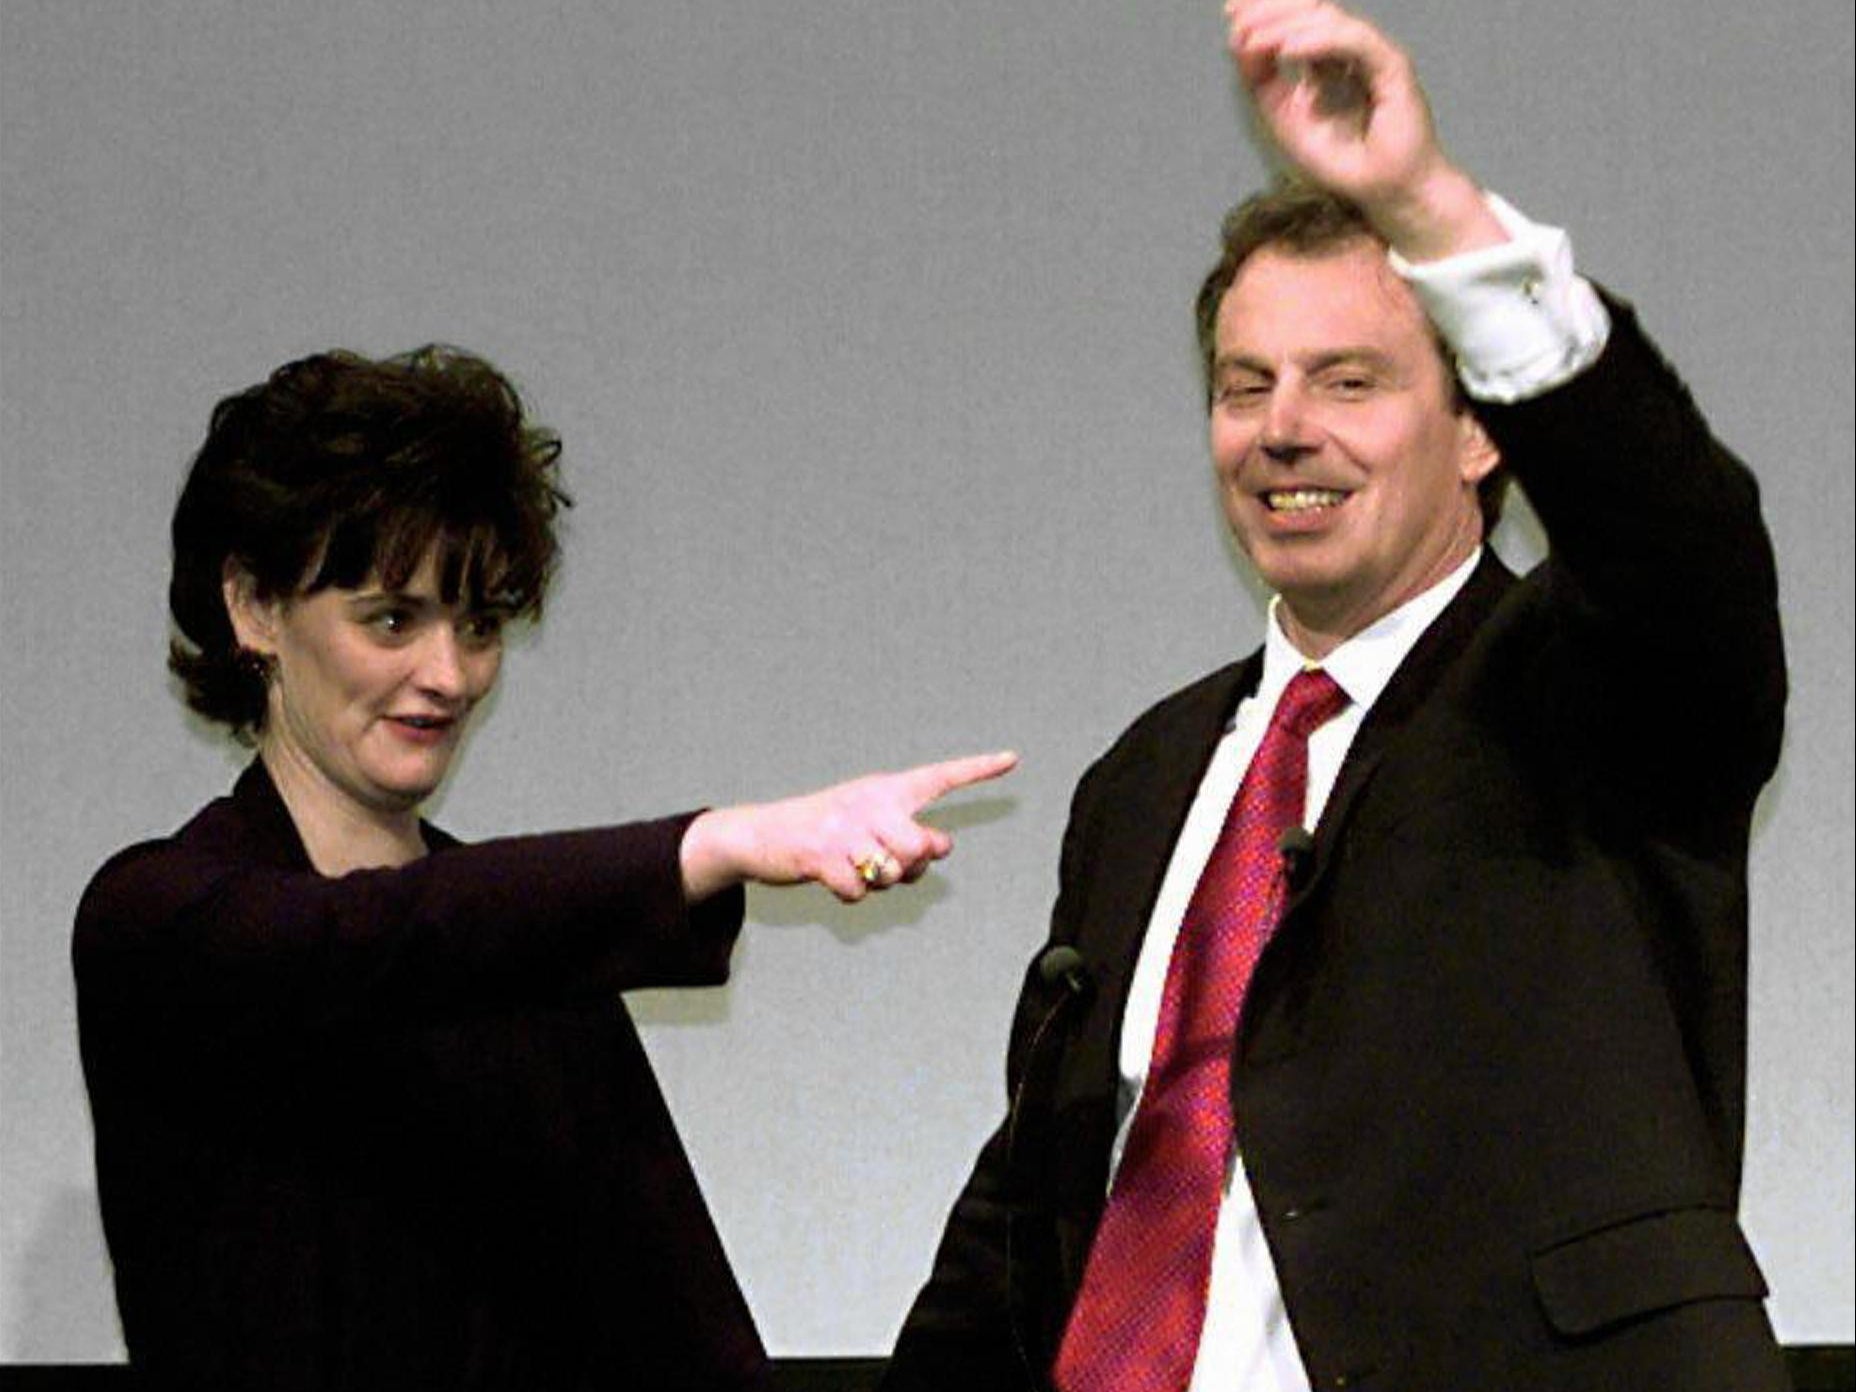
(1488, 1083)
(395, 1129)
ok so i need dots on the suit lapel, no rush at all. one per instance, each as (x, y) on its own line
(1142, 812)
(1151, 803)
(1414, 683)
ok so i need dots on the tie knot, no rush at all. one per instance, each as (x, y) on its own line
(1309, 701)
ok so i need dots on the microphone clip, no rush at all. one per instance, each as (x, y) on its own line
(1297, 847)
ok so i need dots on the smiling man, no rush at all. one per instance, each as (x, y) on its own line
(1391, 1031)
(1348, 464)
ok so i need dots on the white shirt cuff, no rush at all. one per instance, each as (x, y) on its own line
(1518, 317)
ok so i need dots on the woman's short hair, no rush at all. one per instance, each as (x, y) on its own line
(339, 468)
(1305, 220)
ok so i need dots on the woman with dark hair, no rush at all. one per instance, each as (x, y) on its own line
(369, 1112)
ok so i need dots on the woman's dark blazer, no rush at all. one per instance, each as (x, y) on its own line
(395, 1129)
(1489, 1079)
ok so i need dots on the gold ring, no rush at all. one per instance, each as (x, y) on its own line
(873, 867)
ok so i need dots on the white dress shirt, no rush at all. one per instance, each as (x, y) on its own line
(1521, 321)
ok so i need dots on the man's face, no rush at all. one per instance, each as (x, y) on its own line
(1347, 473)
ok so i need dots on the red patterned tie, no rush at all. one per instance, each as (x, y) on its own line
(1139, 1314)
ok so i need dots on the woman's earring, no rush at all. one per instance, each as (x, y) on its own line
(255, 664)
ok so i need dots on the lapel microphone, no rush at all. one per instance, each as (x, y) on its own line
(1297, 846)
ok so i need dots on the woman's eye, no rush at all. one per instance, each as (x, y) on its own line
(483, 628)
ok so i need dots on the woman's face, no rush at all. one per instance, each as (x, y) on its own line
(371, 688)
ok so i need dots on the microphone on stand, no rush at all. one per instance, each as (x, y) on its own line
(1065, 969)
(1063, 965)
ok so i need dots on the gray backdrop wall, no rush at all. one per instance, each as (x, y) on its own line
(867, 326)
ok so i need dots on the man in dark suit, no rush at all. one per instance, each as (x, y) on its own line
(1448, 1093)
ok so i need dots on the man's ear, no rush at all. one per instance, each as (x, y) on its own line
(253, 616)
(1477, 455)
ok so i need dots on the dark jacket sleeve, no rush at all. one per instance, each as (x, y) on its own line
(1660, 570)
(961, 1332)
(986, 1317)
(208, 935)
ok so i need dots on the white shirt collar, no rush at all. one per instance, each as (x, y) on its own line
(1363, 664)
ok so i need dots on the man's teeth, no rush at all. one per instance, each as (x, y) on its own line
(1304, 499)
